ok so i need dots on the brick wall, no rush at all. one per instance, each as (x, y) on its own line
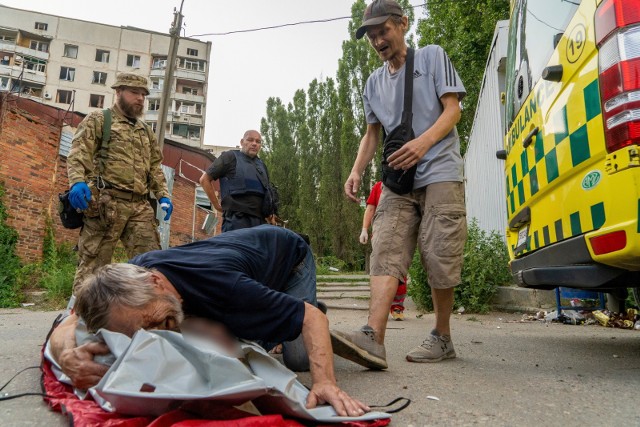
(182, 220)
(29, 169)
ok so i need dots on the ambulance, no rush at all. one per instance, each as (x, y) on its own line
(571, 149)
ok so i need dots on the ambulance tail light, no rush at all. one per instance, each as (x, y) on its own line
(608, 243)
(617, 27)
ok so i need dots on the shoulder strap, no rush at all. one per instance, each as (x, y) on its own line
(407, 114)
(104, 143)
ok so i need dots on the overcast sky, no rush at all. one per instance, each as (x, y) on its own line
(245, 69)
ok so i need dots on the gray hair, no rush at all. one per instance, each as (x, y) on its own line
(112, 285)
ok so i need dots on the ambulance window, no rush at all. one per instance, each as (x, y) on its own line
(535, 27)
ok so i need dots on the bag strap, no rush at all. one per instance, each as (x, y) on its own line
(407, 114)
(104, 144)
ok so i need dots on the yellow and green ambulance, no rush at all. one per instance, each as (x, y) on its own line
(571, 149)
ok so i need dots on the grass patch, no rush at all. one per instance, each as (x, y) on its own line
(485, 267)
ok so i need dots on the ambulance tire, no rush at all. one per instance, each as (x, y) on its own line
(616, 300)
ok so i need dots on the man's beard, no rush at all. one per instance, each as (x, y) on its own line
(129, 110)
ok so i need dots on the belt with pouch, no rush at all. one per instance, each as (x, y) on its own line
(101, 185)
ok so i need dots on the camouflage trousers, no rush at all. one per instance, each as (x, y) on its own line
(108, 220)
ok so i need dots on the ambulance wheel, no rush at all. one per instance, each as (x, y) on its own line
(616, 300)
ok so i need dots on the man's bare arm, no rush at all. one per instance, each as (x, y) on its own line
(205, 182)
(77, 361)
(315, 333)
(366, 151)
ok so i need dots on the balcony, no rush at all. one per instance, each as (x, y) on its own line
(28, 76)
(189, 97)
(34, 77)
(196, 76)
(157, 72)
(25, 51)
(6, 46)
(187, 119)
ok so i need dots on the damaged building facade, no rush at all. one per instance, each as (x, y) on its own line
(71, 64)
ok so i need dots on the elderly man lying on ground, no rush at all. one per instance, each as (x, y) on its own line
(258, 282)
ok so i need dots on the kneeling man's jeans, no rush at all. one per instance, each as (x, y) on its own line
(301, 284)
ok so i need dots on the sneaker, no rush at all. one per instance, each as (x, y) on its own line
(397, 314)
(433, 349)
(360, 347)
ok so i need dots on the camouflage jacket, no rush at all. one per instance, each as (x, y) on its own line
(132, 161)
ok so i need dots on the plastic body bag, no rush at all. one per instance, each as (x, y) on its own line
(156, 372)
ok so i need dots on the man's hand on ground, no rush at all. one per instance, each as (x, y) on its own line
(330, 393)
(77, 363)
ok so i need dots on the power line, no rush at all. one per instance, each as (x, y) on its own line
(291, 24)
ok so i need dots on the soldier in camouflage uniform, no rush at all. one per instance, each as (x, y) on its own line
(114, 195)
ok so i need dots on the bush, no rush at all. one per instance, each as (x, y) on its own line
(58, 269)
(323, 264)
(9, 261)
(485, 267)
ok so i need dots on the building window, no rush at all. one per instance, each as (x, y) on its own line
(64, 96)
(99, 78)
(157, 84)
(102, 55)
(4, 83)
(159, 63)
(4, 60)
(133, 61)
(186, 131)
(191, 64)
(154, 105)
(67, 73)
(154, 126)
(42, 26)
(70, 51)
(192, 52)
(96, 101)
(32, 64)
(189, 90)
(41, 46)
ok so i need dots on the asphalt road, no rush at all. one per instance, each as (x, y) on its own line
(508, 372)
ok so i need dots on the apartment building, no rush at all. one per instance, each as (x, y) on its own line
(71, 64)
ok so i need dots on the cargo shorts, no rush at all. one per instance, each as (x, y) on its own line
(433, 218)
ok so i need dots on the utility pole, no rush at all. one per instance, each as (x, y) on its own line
(176, 27)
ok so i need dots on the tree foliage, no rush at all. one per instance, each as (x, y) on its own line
(464, 28)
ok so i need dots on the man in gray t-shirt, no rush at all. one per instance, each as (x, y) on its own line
(433, 215)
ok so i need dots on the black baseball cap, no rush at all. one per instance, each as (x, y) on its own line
(377, 13)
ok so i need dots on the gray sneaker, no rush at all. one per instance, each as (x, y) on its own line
(360, 347)
(433, 349)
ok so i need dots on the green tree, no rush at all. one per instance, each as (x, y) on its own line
(281, 157)
(464, 28)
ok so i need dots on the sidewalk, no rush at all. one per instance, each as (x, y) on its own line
(508, 372)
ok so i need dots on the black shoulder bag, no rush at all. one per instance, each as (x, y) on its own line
(397, 180)
(70, 217)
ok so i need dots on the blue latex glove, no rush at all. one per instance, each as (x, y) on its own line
(165, 205)
(80, 195)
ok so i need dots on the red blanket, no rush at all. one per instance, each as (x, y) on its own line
(87, 412)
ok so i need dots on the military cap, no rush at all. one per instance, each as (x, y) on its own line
(131, 80)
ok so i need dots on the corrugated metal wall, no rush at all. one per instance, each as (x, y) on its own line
(484, 173)
(164, 227)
